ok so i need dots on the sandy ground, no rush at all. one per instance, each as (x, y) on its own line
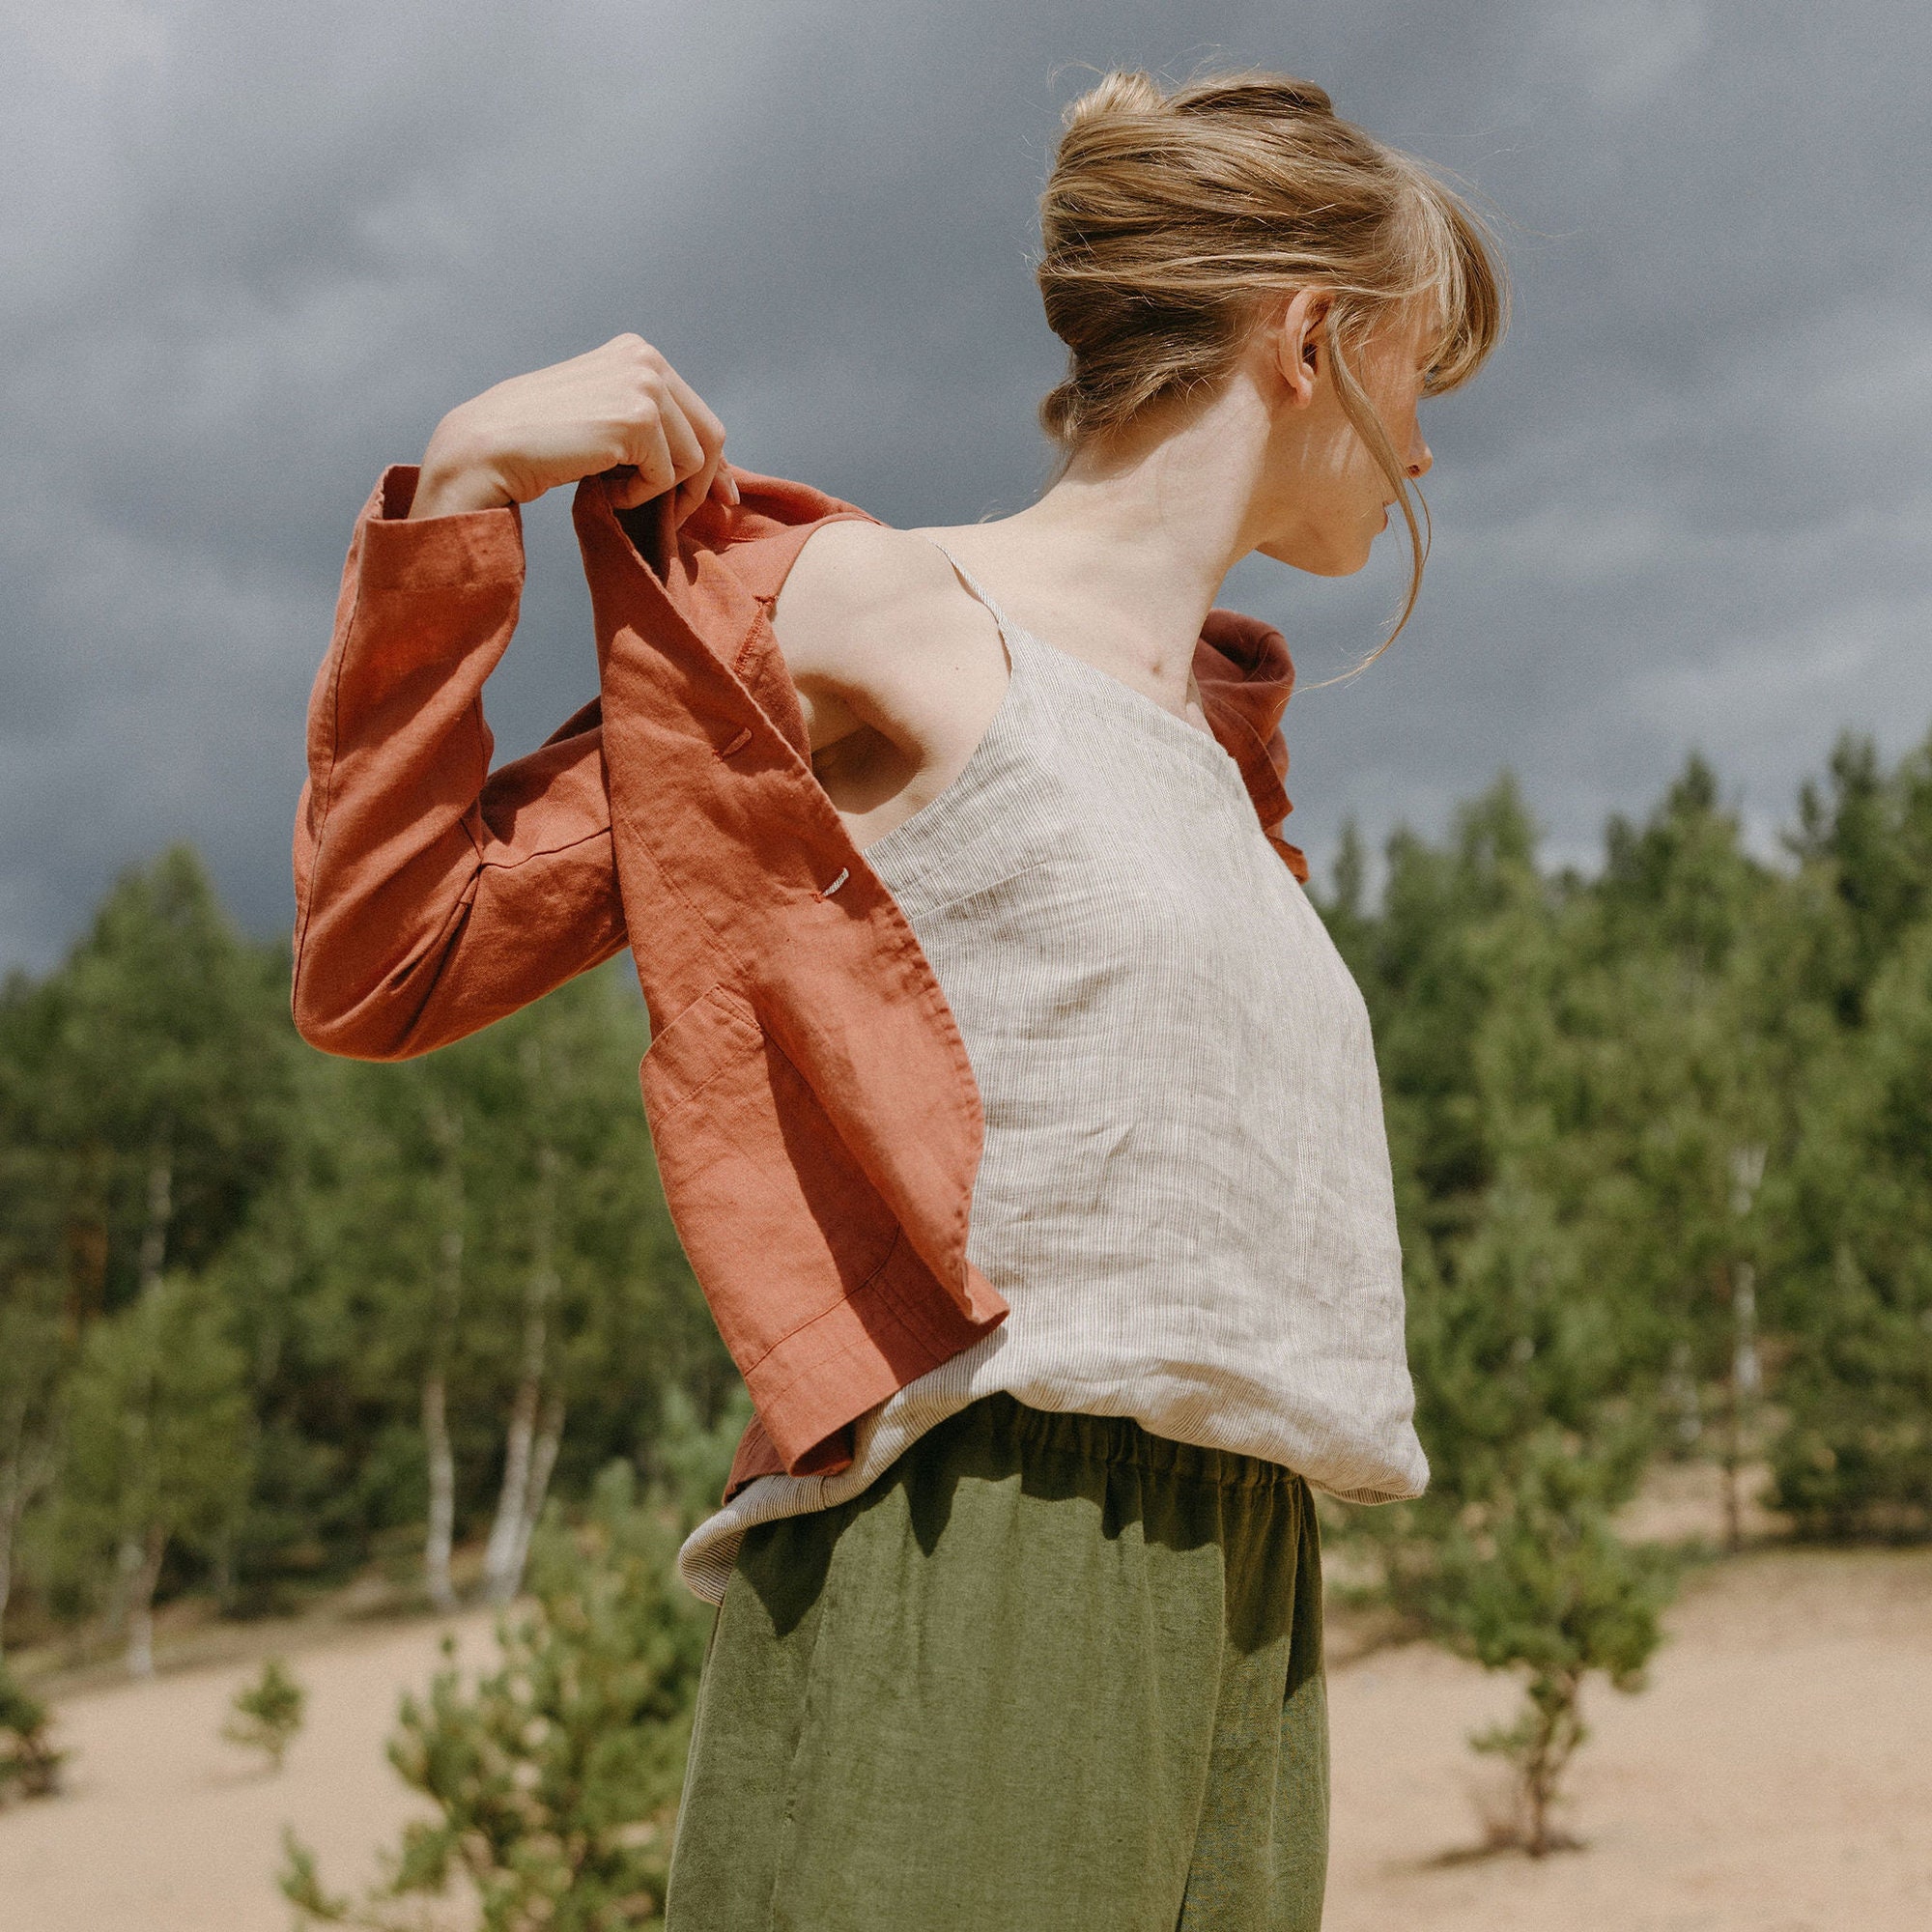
(165, 1826)
(1777, 1776)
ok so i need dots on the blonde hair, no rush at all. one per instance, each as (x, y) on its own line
(1171, 218)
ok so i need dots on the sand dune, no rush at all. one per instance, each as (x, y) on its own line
(1776, 1777)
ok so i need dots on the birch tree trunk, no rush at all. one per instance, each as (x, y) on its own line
(501, 1569)
(160, 1212)
(526, 1461)
(441, 1527)
(550, 1437)
(446, 1303)
(147, 1552)
(1746, 1375)
(1746, 1379)
(1730, 1450)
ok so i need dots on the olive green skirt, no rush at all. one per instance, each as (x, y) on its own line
(1049, 1673)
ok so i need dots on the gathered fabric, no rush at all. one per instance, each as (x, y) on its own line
(1046, 1671)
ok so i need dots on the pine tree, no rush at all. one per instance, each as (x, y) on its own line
(159, 1440)
(556, 1777)
(1855, 1457)
(173, 1072)
(1548, 1588)
(29, 1763)
(266, 1715)
(1491, 1028)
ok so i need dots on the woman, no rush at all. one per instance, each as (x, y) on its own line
(1019, 1117)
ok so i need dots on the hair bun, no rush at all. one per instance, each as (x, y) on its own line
(1114, 96)
(1130, 94)
(1252, 95)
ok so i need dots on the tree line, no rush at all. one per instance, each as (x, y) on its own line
(1663, 1146)
(1662, 1143)
(269, 1317)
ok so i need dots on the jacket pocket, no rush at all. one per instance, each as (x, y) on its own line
(695, 1047)
(778, 1220)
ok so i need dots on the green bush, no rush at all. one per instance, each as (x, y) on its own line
(556, 1777)
(267, 1714)
(1544, 1586)
(1855, 1457)
(29, 1763)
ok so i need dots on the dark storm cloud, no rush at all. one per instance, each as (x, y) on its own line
(248, 255)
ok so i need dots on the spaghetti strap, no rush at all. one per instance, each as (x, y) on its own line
(974, 585)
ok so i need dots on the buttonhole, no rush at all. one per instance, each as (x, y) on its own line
(737, 743)
(827, 891)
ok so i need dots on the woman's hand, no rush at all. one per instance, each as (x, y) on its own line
(622, 411)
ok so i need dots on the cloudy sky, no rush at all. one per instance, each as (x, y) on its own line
(250, 254)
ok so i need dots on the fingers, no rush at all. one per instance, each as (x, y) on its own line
(687, 460)
(647, 456)
(628, 489)
(677, 445)
(656, 442)
(708, 433)
(665, 437)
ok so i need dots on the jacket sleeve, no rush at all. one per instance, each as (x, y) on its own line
(434, 895)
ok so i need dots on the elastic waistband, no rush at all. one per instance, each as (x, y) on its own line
(1114, 1438)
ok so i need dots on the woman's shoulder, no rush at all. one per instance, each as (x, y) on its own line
(865, 566)
(875, 630)
(860, 589)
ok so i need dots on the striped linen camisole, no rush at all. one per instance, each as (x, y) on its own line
(1184, 1193)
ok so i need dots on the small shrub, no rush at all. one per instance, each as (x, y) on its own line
(267, 1714)
(556, 1777)
(1545, 1587)
(29, 1763)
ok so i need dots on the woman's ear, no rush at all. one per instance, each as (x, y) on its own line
(1300, 343)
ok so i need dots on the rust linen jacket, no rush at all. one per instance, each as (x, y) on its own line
(814, 1115)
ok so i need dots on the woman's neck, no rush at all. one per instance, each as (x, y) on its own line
(1142, 530)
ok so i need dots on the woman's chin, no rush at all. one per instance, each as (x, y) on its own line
(1328, 560)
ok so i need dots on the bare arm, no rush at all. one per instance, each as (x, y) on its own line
(899, 670)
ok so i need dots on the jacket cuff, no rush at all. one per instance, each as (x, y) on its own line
(473, 550)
